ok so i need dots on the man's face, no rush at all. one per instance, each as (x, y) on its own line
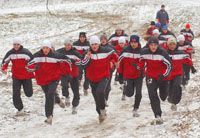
(82, 39)
(16, 46)
(46, 50)
(68, 47)
(181, 42)
(187, 29)
(134, 44)
(153, 47)
(164, 31)
(156, 34)
(122, 45)
(163, 8)
(119, 32)
(95, 47)
(103, 41)
(172, 46)
(153, 26)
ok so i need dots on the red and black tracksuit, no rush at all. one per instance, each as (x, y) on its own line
(98, 72)
(167, 35)
(128, 67)
(48, 71)
(113, 40)
(108, 88)
(158, 67)
(186, 47)
(118, 50)
(189, 35)
(73, 80)
(20, 76)
(149, 32)
(178, 58)
(82, 48)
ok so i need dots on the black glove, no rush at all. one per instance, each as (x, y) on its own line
(160, 78)
(120, 78)
(193, 70)
(136, 66)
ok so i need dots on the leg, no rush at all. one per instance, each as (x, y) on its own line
(108, 88)
(129, 88)
(100, 92)
(28, 87)
(138, 96)
(75, 89)
(86, 82)
(153, 96)
(17, 101)
(49, 90)
(163, 90)
(176, 90)
(65, 86)
(94, 87)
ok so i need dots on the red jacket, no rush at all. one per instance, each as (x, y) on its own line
(49, 68)
(114, 39)
(119, 49)
(129, 60)
(150, 31)
(81, 47)
(157, 63)
(19, 61)
(178, 59)
(98, 66)
(75, 57)
(167, 35)
(189, 35)
(186, 47)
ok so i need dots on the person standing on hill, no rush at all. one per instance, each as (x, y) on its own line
(162, 16)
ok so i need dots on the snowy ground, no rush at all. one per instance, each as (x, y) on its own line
(30, 20)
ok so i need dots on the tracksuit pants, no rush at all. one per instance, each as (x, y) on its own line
(153, 85)
(86, 81)
(186, 74)
(49, 91)
(132, 86)
(98, 92)
(74, 83)
(28, 90)
(175, 90)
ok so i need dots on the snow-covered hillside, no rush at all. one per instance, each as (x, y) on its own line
(31, 20)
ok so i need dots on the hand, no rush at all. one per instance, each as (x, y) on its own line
(88, 55)
(193, 70)
(136, 66)
(117, 65)
(111, 65)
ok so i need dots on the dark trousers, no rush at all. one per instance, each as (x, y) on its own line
(153, 86)
(186, 74)
(132, 85)
(108, 88)
(86, 81)
(74, 82)
(28, 90)
(98, 92)
(49, 91)
(175, 90)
